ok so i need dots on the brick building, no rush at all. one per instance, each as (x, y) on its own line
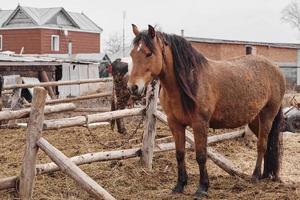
(55, 45)
(29, 30)
(285, 55)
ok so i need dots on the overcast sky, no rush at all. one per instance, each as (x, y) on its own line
(254, 20)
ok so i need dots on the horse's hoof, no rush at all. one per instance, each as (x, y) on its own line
(265, 176)
(178, 188)
(123, 131)
(254, 179)
(200, 194)
(277, 179)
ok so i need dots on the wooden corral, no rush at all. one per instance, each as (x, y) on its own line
(35, 139)
(14, 85)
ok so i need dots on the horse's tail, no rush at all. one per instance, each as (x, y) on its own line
(273, 156)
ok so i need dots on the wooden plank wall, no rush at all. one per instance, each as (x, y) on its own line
(74, 75)
(65, 90)
(76, 72)
(83, 74)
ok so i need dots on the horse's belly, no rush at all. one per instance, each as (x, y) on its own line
(234, 123)
(235, 116)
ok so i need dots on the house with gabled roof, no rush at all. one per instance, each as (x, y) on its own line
(30, 30)
(52, 43)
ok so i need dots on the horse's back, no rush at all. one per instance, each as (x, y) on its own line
(263, 69)
(243, 86)
(253, 72)
(248, 63)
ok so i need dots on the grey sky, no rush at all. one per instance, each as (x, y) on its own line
(256, 20)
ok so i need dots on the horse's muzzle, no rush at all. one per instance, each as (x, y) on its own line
(134, 90)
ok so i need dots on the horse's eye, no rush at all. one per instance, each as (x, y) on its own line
(149, 54)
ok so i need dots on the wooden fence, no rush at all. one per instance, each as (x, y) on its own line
(35, 141)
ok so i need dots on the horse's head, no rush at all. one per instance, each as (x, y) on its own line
(147, 59)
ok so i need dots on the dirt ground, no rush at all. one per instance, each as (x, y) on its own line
(127, 180)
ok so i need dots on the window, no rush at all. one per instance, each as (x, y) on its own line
(54, 43)
(250, 50)
(1, 43)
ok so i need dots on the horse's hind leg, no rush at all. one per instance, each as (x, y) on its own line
(265, 118)
(200, 129)
(178, 131)
(272, 160)
(254, 125)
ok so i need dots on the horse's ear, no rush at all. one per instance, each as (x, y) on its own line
(151, 31)
(135, 29)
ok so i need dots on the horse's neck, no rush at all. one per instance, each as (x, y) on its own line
(170, 96)
(167, 77)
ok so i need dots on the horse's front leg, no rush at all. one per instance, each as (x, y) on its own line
(178, 131)
(200, 129)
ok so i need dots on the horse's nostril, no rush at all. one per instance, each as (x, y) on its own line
(134, 89)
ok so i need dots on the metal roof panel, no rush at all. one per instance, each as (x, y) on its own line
(42, 15)
(84, 22)
(33, 13)
(4, 15)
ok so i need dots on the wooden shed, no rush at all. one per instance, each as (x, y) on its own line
(55, 69)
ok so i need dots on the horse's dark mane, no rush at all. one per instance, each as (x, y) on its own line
(187, 64)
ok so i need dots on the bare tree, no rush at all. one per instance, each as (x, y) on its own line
(114, 43)
(291, 14)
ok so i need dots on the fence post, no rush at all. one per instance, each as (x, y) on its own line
(34, 132)
(150, 125)
(44, 76)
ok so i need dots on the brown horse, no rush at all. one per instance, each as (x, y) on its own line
(202, 93)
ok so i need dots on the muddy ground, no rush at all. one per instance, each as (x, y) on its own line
(127, 180)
